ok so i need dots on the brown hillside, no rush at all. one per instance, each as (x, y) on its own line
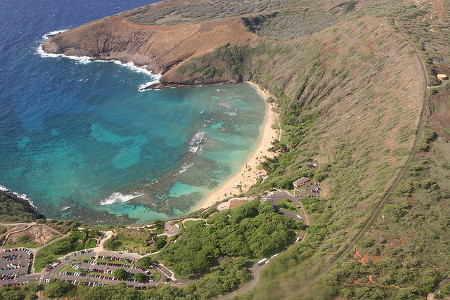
(157, 47)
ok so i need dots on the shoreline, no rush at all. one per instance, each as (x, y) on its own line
(248, 174)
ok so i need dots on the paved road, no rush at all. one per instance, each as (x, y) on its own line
(164, 272)
(255, 269)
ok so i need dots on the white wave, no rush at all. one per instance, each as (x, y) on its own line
(65, 208)
(4, 189)
(230, 113)
(86, 59)
(21, 196)
(145, 86)
(118, 198)
(185, 168)
(195, 142)
(52, 33)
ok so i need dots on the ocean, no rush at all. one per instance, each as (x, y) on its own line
(82, 142)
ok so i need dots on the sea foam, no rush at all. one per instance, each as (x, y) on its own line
(86, 59)
(4, 189)
(185, 168)
(195, 142)
(118, 198)
(21, 196)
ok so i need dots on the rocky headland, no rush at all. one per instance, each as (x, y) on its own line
(160, 49)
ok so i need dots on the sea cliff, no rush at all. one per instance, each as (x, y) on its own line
(160, 49)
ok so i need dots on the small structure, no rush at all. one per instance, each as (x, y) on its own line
(442, 77)
(262, 261)
(300, 182)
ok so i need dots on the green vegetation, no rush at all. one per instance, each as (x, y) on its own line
(27, 292)
(135, 240)
(346, 85)
(287, 204)
(3, 229)
(156, 276)
(120, 274)
(252, 230)
(76, 240)
(112, 244)
(13, 209)
(139, 277)
(444, 292)
(57, 289)
(144, 262)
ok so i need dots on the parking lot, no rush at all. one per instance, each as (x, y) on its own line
(90, 270)
(15, 263)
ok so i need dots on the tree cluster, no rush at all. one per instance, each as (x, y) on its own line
(253, 230)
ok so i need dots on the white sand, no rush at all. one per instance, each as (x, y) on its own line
(249, 173)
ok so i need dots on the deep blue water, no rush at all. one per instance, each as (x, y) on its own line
(83, 143)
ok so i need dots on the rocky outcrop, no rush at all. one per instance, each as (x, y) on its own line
(159, 48)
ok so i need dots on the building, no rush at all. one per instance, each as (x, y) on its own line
(442, 77)
(300, 182)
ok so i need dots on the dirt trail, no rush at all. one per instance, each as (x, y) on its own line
(388, 192)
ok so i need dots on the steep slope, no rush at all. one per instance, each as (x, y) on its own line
(156, 47)
(350, 94)
(15, 209)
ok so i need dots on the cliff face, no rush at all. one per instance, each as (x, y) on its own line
(16, 209)
(159, 48)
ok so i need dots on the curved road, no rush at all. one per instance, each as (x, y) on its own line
(397, 179)
(385, 196)
(255, 269)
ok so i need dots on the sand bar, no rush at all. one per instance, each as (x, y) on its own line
(248, 174)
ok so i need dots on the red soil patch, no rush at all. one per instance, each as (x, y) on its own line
(410, 201)
(364, 258)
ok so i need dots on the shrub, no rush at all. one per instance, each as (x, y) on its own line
(57, 289)
(120, 274)
(139, 277)
(112, 244)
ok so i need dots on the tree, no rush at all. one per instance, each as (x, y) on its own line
(57, 289)
(112, 244)
(139, 277)
(144, 262)
(120, 274)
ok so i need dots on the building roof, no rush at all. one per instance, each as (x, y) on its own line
(301, 181)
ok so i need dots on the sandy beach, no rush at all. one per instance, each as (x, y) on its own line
(248, 174)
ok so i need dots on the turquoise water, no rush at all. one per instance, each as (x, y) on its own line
(133, 155)
(83, 143)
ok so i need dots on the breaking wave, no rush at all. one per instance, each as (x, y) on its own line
(195, 142)
(86, 59)
(21, 196)
(185, 168)
(118, 198)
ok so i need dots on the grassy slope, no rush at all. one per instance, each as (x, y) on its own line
(408, 247)
(361, 82)
(350, 94)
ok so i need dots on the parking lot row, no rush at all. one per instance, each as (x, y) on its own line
(14, 284)
(16, 260)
